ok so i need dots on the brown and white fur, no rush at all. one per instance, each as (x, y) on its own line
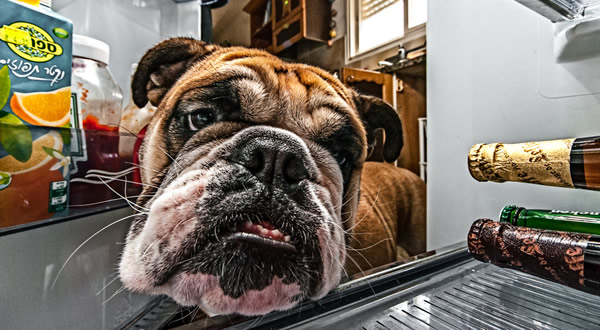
(253, 166)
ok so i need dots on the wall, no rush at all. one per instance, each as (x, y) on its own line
(486, 78)
(231, 24)
(129, 27)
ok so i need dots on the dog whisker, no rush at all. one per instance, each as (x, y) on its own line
(171, 157)
(107, 201)
(84, 242)
(114, 174)
(370, 246)
(127, 130)
(120, 180)
(337, 259)
(134, 206)
(114, 295)
(144, 167)
(360, 268)
(165, 235)
(368, 211)
(109, 283)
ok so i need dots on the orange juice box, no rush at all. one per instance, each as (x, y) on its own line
(35, 105)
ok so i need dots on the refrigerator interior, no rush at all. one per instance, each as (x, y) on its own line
(62, 273)
(493, 77)
(499, 82)
(130, 27)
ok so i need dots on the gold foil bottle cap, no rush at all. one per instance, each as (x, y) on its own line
(481, 162)
(545, 162)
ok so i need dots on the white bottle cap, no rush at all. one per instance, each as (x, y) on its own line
(47, 3)
(90, 48)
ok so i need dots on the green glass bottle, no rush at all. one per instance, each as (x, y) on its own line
(570, 221)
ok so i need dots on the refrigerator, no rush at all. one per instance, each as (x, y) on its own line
(61, 273)
(495, 74)
(497, 71)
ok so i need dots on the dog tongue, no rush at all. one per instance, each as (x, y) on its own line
(264, 229)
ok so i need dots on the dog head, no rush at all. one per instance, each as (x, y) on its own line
(251, 170)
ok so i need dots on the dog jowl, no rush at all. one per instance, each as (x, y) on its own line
(251, 170)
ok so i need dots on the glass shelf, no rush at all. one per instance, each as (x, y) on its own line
(557, 10)
(51, 175)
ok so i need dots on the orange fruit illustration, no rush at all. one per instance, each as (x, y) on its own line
(43, 108)
(26, 198)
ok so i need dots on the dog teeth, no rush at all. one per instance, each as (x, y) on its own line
(265, 231)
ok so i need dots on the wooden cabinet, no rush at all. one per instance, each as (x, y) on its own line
(289, 22)
(261, 25)
(407, 96)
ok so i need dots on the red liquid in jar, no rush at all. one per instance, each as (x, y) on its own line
(102, 148)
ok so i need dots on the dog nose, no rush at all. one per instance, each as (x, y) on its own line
(271, 162)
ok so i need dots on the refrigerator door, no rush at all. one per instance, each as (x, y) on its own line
(498, 82)
(62, 273)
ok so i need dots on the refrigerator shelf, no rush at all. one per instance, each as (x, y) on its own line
(444, 291)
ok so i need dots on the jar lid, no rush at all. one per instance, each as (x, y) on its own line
(90, 48)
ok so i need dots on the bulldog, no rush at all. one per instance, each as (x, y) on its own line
(251, 171)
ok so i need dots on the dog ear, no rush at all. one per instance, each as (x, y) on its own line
(375, 114)
(162, 65)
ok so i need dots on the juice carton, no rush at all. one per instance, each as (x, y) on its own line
(35, 103)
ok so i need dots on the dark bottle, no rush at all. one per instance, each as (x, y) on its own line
(571, 221)
(573, 163)
(572, 259)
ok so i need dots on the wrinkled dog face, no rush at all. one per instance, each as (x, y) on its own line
(253, 166)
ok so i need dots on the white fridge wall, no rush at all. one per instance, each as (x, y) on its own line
(130, 27)
(482, 81)
(87, 294)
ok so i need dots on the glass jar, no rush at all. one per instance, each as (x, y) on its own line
(96, 117)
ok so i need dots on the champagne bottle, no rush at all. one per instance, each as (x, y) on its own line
(572, 163)
(572, 259)
(571, 221)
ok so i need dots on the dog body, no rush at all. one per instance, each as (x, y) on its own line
(251, 169)
(390, 223)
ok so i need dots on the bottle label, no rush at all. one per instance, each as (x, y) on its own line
(30, 41)
(545, 162)
(58, 196)
(584, 213)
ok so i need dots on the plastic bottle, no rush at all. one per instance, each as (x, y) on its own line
(99, 102)
(133, 119)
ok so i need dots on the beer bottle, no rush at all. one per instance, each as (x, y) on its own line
(572, 163)
(572, 259)
(571, 221)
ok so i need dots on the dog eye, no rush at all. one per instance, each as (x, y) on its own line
(343, 158)
(200, 119)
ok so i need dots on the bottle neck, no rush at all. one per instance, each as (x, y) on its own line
(569, 221)
(585, 162)
(545, 162)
